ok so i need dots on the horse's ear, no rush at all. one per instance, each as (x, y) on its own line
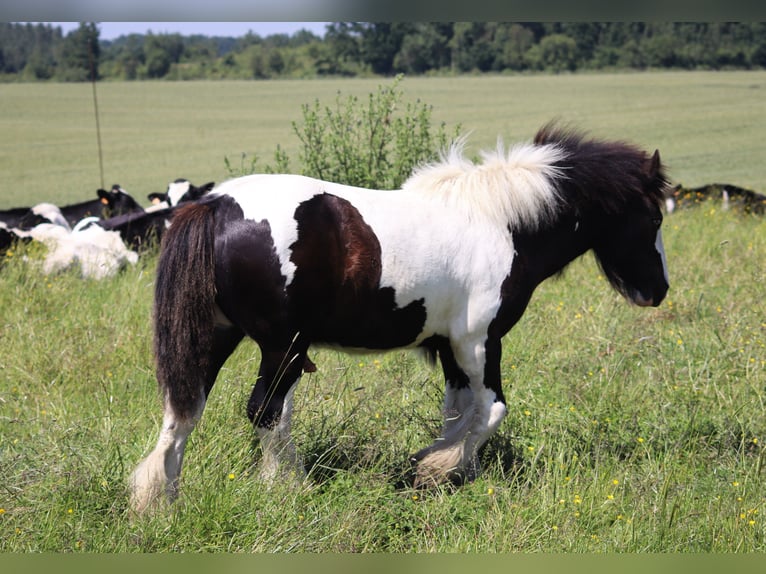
(653, 165)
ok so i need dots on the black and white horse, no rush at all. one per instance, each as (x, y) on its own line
(447, 264)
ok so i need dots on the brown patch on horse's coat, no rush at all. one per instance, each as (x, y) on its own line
(336, 290)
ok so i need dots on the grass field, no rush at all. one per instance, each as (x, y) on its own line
(629, 430)
(708, 126)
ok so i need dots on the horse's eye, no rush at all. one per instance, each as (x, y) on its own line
(657, 222)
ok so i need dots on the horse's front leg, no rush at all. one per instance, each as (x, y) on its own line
(472, 414)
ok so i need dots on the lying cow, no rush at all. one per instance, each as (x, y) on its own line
(731, 196)
(40, 213)
(108, 203)
(29, 217)
(138, 230)
(179, 191)
(98, 253)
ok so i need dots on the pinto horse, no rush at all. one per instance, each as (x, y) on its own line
(447, 264)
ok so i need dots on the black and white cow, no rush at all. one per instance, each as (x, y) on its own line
(731, 196)
(139, 230)
(26, 218)
(107, 203)
(179, 191)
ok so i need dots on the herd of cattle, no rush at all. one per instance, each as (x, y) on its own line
(104, 234)
(101, 235)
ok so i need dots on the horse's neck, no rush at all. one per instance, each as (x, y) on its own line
(549, 250)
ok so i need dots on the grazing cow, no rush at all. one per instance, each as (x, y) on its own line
(179, 191)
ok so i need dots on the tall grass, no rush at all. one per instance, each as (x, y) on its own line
(630, 429)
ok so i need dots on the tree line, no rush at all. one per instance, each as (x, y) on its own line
(31, 51)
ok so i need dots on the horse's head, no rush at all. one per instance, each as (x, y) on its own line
(629, 248)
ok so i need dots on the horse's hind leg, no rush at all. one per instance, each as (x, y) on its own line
(158, 474)
(270, 408)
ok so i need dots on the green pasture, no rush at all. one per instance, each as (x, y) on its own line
(629, 430)
(708, 126)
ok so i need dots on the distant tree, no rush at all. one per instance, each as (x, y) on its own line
(342, 54)
(511, 43)
(35, 51)
(558, 52)
(29, 49)
(276, 62)
(132, 57)
(39, 66)
(80, 54)
(758, 57)
(425, 48)
(380, 42)
(161, 52)
(303, 37)
(471, 46)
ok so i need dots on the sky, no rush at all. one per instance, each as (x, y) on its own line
(112, 30)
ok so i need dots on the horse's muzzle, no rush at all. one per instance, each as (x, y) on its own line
(653, 300)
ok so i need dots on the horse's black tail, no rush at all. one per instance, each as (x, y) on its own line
(184, 307)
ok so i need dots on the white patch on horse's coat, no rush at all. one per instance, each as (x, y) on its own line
(456, 452)
(283, 193)
(514, 188)
(497, 412)
(659, 246)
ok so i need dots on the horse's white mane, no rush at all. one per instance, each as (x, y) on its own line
(515, 188)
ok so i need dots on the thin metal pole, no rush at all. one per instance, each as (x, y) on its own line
(95, 108)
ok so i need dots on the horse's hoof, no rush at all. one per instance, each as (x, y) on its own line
(430, 468)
